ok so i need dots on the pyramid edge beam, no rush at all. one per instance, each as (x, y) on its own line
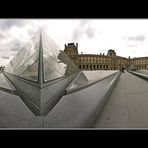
(40, 69)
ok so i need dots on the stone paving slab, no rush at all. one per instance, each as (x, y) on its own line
(113, 118)
(128, 104)
(4, 83)
(15, 114)
(138, 110)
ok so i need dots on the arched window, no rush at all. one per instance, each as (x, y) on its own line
(94, 67)
(100, 66)
(86, 66)
(79, 66)
(83, 66)
(90, 66)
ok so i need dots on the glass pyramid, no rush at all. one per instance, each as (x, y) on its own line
(51, 64)
(40, 73)
(26, 60)
(80, 80)
(39, 59)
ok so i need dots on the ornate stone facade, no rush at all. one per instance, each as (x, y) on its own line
(111, 61)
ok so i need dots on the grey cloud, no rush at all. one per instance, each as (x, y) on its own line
(84, 28)
(10, 48)
(15, 45)
(14, 49)
(5, 57)
(102, 50)
(83, 23)
(10, 44)
(132, 45)
(2, 36)
(76, 34)
(31, 32)
(7, 24)
(90, 32)
(13, 54)
(136, 38)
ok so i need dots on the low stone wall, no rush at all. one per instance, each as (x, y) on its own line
(81, 109)
(144, 76)
(39, 100)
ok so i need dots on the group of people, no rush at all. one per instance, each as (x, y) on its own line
(2, 68)
(122, 69)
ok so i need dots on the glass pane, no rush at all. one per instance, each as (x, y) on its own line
(4, 83)
(25, 58)
(29, 61)
(31, 72)
(52, 68)
(81, 80)
(56, 62)
(50, 46)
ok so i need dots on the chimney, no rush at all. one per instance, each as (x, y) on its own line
(65, 46)
(77, 45)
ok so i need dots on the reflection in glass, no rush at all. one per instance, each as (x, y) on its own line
(31, 72)
(55, 62)
(26, 57)
(52, 69)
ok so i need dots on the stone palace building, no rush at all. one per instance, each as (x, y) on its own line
(111, 61)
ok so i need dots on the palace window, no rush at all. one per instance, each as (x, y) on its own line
(86, 66)
(79, 66)
(100, 66)
(94, 66)
(83, 66)
(90, 66)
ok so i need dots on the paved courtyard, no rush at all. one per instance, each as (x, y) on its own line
(127, 106)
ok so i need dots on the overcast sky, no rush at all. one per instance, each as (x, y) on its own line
(128, 37)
